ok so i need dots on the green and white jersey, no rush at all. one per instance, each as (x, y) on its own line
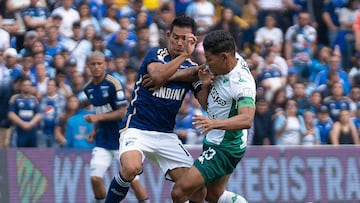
(228, 93)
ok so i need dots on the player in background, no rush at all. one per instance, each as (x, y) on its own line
(149, 123)
(106, 94)
(231, 108)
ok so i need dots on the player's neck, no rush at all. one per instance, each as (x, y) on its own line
(98, 80)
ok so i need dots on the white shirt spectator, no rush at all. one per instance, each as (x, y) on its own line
(265, 34)
(202, 10)
(68, 18)
(270, 4)
(5, 39)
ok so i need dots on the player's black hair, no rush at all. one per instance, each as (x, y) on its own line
(218, 41)
(184, 21)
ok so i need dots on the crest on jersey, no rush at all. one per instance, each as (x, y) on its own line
(120, 95)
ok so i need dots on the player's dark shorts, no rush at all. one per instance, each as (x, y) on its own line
(216, 162)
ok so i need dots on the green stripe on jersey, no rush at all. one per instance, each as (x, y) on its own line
(246, 102)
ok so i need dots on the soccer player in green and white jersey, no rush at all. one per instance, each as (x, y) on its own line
(228, 95)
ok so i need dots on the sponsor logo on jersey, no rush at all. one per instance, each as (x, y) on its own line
(169, 93)
(215, 95)
(103, 109)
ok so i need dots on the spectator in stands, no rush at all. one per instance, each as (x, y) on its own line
(30, 37)
(64, 88)
(41, 80)
(165, 17)
(331, 19)
(262, 128)
(269, 34)
(110, 23)
(86, 19)
(300, 97)
(120, 45)
(5, 38)
(72, 106)
(319, 62)
(300, 40)
(132, 8)
(35, 15)
(345, 37)
(52, 105)
(334, 65)
(11, 63)
(227, 23)
(324, 124)
(52, 43)
(6, 90)
(344, 131)
(151, 29)
(314, 101)
(130, 75)
(78, 46)
(356, 118)
(69, 16)
(24, 115)
(277, 103)
(270, 76)
(139, 53)
(312, 134)
(77, 85)
(28, 68)
(118, 70)
(11, 22)
(202, 10)
(78, 130)
(289, 126)
(337, 101)
(89, 32)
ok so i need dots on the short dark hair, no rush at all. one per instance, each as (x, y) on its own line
(184, 21)
(218, 41)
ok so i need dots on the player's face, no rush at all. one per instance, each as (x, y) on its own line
(97, 66)
(177, 40)
(216, 62)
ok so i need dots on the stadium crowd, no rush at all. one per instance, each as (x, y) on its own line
(303, 54)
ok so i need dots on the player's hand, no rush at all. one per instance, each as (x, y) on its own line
(189, 43)
(91, 118)
(205, 75)
(149, 83)
(91, 136)
(203, 123)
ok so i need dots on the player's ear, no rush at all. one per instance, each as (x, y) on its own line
(168, 33)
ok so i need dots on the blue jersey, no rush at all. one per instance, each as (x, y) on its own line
(324, 130)
(156, 111)
(78, 130)
(106, 97)
(51, 108)
(25, 109)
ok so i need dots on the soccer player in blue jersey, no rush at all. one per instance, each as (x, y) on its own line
(149, 123)
(106, 94)
(230, 104)
(24, 114)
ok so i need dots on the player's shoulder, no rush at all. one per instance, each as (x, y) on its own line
(14, 97)
(113, 81)
(87, 84)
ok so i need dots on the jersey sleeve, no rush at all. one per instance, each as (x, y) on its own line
(118, 92)
(244, 91)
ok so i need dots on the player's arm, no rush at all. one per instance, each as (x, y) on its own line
(117, 114)
(160, 73)
(243, 119)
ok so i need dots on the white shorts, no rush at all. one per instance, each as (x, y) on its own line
(164, 149)
(101, 160)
